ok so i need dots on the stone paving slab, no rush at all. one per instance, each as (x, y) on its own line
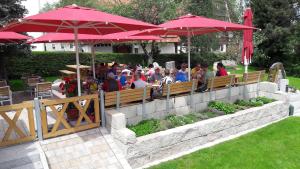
(23, 156)
(84, 150)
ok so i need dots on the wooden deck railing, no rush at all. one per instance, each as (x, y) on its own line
(16, 124)
(58, 109)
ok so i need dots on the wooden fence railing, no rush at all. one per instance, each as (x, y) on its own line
(59, 108)
(16, 124)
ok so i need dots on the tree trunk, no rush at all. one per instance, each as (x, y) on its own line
(148, 56)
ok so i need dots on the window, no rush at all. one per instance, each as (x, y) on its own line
(62, 46)
(71, 45)
(53, 46)
(136, 50)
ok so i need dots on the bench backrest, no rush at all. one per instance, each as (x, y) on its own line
(126, 96)
(33, 80)
(3, 83)
(178, 88)
(253, 77)
(42, 87)
(220, 82)
(4, 91)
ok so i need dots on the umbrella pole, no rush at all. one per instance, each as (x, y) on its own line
(93, 61)
(246, 62)
(189, 56)
(77, 60)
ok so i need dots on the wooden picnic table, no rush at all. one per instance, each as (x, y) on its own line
(75, 67)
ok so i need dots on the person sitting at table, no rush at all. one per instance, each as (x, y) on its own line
(195, 71)
(181, 75)
(150, 71)
(168, 79)
(126, 70)
(101, 72)
(123, 79)
(111, 84)
(221, 70)
(207, 74)
(138, 83)
(114, 68)
(156, 77)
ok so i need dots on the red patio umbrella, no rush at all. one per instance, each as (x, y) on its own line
(247, 51)
(191, 25)
(92, 39)
(76, 19)
(12, 37)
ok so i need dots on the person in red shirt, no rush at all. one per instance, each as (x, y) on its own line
(111, 84)
(221, 70)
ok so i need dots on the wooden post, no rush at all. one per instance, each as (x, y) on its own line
(38, 118)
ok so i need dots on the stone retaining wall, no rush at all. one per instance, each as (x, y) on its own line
(142, 150)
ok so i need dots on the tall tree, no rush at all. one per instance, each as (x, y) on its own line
(9, 10)
(278, 20)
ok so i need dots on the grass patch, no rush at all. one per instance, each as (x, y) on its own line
(294, 82)
(51, 78)
(275, 146)
(227, 108)
(17, 85)
(145, 127)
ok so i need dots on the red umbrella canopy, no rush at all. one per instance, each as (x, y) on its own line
(194, 25)
(68, 37)
(86, 20)
(247, 51)
(12, 37)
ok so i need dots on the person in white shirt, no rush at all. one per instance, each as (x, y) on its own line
(138, 83)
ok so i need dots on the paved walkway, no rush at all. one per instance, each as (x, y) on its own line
(91, 149)
(23, 156)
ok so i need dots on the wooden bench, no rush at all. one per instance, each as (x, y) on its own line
(5, 95)
(252, 77)
(43, 90)
(178, 88)
(126, 96)
(3, 83)
(220, 82)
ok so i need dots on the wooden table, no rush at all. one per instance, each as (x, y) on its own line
(67, 73)
(83, 70)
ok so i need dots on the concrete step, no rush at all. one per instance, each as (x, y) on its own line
(296, 105)
(294, 97)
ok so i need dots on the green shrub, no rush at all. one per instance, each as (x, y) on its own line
(176, 121)
(145, 127)
(250, 103)
(49, 63)
(227, 108)
(265, 100)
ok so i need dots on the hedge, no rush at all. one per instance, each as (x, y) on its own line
(49, 63)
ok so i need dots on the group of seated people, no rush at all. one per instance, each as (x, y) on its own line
(118, 77)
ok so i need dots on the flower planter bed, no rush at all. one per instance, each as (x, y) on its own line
(142, 150)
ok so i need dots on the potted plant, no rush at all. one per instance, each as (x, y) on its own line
(69, 88)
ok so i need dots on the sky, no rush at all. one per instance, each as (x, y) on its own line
(33, 7)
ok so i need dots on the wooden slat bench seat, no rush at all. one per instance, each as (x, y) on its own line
(178, 88)
(252, 77)
(126, 96)
(220, 82)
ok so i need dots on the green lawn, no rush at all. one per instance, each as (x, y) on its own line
(274, 147)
